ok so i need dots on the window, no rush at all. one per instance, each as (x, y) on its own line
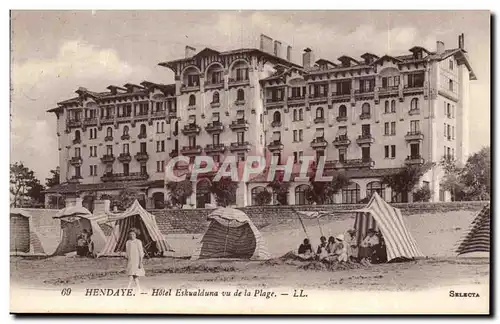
(386, 128)
(444, 130)
(448, 129)
(414, 104)
(192, 119)
(192, 141)
(448, 151)
(126, 169)
(93, 170)
(393, 128)
(240, 137)
(160, 127)
(144, 168)
(450, 62)
(415, 150)
(193, 80)
(452, 132)
(192, 100)
(295, 115)
(365, 153)
(301, 114)
(344, 87)
(276, 117)
(450, 85)
(298, 92)
(342, 154)
(393, 151)
(215, 139)
(342, 132)
(93, 151)
(415, 80)
(109, 149)
(387, 108)
(301, 132)
(78, 173)
(216, 77)
(125, 130)
(366, 85)
(241, 157)
(160, 166)
(276, 137)
(240, 95)
(386, 151)
(295, 138)
(125, 148)
(342, 111)
(365, 130)
(300, 195)
(215, 98)
(159, 106)
(109, 132)
(142, 129)
(320, 113)
(365, 109)
(448, 110)
(414, 126)
(77, 152)
(215, 117)
(93, 133)
(393, 106)
(261, 118)
(295, 157)
(351, 193)
(255, 191)
(375, 186)
(241, 74)
(142, 147)
(77, 135)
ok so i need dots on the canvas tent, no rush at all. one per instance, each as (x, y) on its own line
(24, 240)
(477, 238)
(382, 217)
(134, 217)
(231, 234)
(74, 220)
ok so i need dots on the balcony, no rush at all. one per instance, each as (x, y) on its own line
(276, 124)
(358, 163)
(239, 102)
(240, 146)
(365, 139)
(108, 158)
(214, 85)
(215, 104)
(105, 120)
(239, 124)
(275, 146)
(364, 116)
(124, 157)
(90, 121)
(414, 160)
(388, 90)
(142, 156)
(215, 148)
(190, 87)
(275, 101)
(341, 118)
(142, 136)
(191, 129)
(234, 82)
(342, 140)
(191, 150)
(159, 114)
(191, 107)
(319, 120)
(125, 137)
(172, 113)
(108, 138)
(214, 127)
(319, 143)
(414, 136)
(77, 141)
(413, 88)
(296, 99)
(413, 112)
(342, 94)
(317, 97)
(75, 179)
(76, 160)
(73, 123)
(132, 176)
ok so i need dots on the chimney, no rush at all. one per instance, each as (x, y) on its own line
(461, 41)
(439, 47)
(266, 43)
(308, 58)
(189, 51)
(277, 48)
(289, 53)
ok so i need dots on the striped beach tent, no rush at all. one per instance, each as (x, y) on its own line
(24, 239)
(231, 234)
(387, 220)
(138, 218)
(477, 238)
(75, 219)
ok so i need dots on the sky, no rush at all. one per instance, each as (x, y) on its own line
(55, 52)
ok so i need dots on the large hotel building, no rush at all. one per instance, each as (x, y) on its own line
(369, 116)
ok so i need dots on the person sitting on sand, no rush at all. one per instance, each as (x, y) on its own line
(352, 246)
(340, 248)
(305, 250)
(369, 246)
(330, 247)
(322, 253)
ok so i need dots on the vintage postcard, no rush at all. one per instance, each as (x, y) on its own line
(250, 162)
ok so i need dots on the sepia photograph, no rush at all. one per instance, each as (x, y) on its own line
(250, 162)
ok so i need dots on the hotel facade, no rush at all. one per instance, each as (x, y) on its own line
(368, 117)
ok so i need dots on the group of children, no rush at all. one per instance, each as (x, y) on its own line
(341, 249)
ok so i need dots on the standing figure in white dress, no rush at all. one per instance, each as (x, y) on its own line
(135, 255)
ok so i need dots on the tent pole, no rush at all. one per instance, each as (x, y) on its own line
(320, 228)
(302, 223)
(227, 234)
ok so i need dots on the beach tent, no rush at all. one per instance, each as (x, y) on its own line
(74, 220)
(231, 234)
(477, 238)
(24, 240)
(134, 217)
(382, 217)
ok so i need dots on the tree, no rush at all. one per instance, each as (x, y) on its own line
(422, 194)
(24, 184)
(452, 179)
(54, 179)
(179, 192)
(263, 197)
(126, 198)
(322, 192)
(280, 189)
(404, 180)
(476, 176)
(224, 191)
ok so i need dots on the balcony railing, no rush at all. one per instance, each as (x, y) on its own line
(414, 159)
(172, 113)
(274, 100)
(296, 98)
(365, 139)
(276, 124)
(108, 158)
(319, 142)
(107, 119)
(319, 120)
(239, 124)
(142, 156)
(124, 157)
(90, 121)
(412, 112)
(131, 176)
(142, 136)
(125, 137)
(215, 104)
(214, 85)
(190, 87)
(237, 82)
(414, 136)
(358, 163)
(76, 160)
(191, 107)
(388, 89)
(74, 122)
(275, 146)
(191, 150)
(191, 129)
(77, 141)
(341, 118)
(239, 146)
(341, 140)
(211, 148)
(362, 91)
(214, 127)
(341, 93)
(75, 179)
(108, 138)
(239, 102)
(364, 116)
(159, 113)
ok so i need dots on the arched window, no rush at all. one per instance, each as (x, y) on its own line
(294, 114)
(276, 117)
(215, 97)
(77, 135)
(125, 130)
(192, 100)
(301, 114)
(448, 110)
(300, 195)
(414, 104)
(450, 84)
(109, 132)
(365, 109)
(386, 108)
(375, 186)
(320, 113)
(351, 193)
(256, 199)
(159, 200)
(240, 95)
(342, 111)
(393, 106)
(142, 129)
